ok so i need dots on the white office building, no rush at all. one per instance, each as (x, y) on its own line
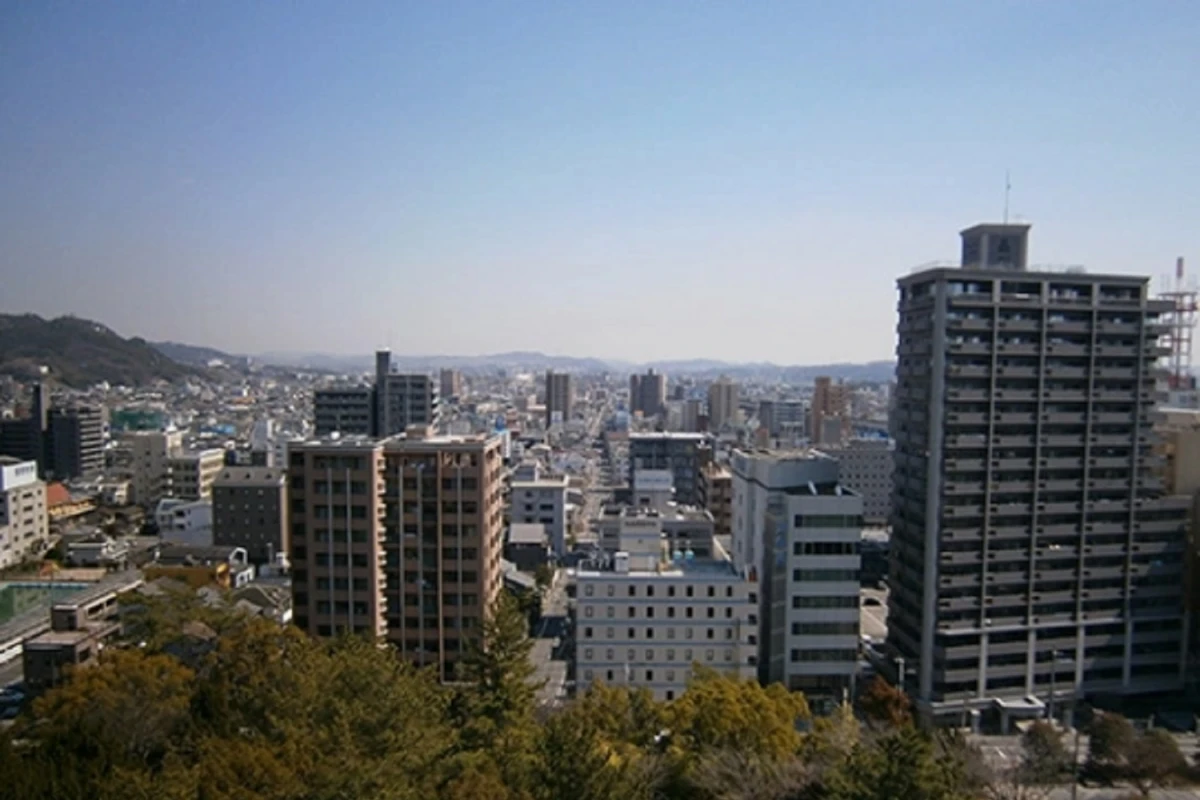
(796, 528)
(24, 523)
(866, 467)
(646, 615)
(542, 499)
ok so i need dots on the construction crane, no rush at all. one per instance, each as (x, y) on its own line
(1181, 323)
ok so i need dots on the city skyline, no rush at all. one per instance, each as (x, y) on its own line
(450, 179)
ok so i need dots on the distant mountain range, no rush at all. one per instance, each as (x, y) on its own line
(872, 371)
(78, 353)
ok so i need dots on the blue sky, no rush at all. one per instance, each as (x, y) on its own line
(635, 180)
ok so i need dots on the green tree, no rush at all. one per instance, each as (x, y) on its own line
(901, 762)
(722, 713)
(583, 756)
(1111, 740)
(494, 705)
(884, 704)
(1154, 760)
(1044, 757)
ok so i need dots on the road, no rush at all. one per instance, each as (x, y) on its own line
(551, 644)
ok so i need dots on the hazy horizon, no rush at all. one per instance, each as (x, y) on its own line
(620, 181)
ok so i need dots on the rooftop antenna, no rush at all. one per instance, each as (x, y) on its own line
(1007, 191)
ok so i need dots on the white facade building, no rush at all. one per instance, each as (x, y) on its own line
(866, 467)
(645, 619)
(24, 523)
(541, 499)
(185, 521)
(653, 488)
(798, 529)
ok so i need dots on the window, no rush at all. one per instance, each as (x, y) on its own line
(587, 611)
(827, 521)
(687, 656)
(589, 590)
(587, 653)
(609, 675)
(632, 591)
(825, 548)
(688, 633)
(729, 613)
(729, 591)
(711, 633)
(609, 654)
(689, 591)
(670, 694)
(670, 591)
(649, 655)
(609, 613)
(712, 612)
(649, 674)
(708, 655)
(671, 611)
(632, 633)
(587, 633)
(649, 591)
(611, 589)
(670, 655)
(687, 611)
(631, 655)
(670, 633)
(649, 611)
(825, 575)
(825, 601)
(632, 611)
(587, 675)
(712, 591)
(670, 677)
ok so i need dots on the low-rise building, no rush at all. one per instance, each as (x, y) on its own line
(527, 545)
(226, 567)
(541, 499)
(187, 522)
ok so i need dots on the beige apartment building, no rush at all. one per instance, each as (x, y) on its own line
(193, 473)
(335, 502)
(445, 538)
(150, 462)
(401, 537)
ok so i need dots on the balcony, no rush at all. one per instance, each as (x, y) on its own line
(1060, 485)
(966, 419)
(1115, 351)
(1012, 463)
(1073, 373)
(1065, 418)
(1022, 349)
(1015, 418)
(1065, 326)
(1016, 395)
(1067, 350)
(1062, 440)
(968, 370)
(1113, 418)
(977, 395)
(1058, 508)
(960, 324)
(969, 348)
(1009, 371)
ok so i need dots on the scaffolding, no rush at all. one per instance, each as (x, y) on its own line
(1181, 323)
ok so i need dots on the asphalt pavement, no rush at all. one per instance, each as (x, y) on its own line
(551, 643)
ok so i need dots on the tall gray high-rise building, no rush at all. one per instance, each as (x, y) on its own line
(1032, 545)
(648, 393)
(403, 399)
(560, 397)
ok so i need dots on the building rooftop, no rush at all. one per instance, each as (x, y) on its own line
(680, 436)
(527, 533)
(183, 554)
(251, 476)
(56, 639)
(695, 568)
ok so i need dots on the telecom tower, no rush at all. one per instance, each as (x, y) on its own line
(1181, 322)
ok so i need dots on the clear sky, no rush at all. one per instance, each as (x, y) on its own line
(638, 180)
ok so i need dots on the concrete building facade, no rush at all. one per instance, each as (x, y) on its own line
(348, 410)
(796, 532)
(1032, 542)
(336, 507)
(250, 511)
(648, 394)
(24, 523)
(866, 466)
(560, 397)
(716, 495)
(187, 522)
(74, 442)
(677, 452)
(541, 499)
(645, 618)
(444, 525)
(722, 403)
(150, 464)
(192, 473)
